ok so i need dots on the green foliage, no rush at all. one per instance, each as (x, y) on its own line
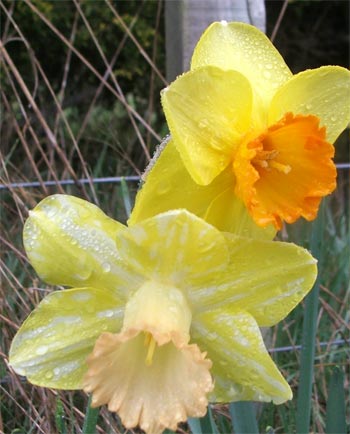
(336, 419)
(94, 114)
(205, 424)
(59, 417)
(90, 420)
(243, 417)
(108, 31)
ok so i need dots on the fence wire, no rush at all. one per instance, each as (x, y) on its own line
(103, 180)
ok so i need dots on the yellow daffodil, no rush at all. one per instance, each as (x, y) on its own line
(244, 126)
(161, 316)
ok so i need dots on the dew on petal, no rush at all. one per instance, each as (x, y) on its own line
(106, 267)
(42, 350)
(109, 313)
(81, 296)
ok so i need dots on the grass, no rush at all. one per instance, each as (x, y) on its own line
(91, 119)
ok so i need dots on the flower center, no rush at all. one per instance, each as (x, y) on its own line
(295, 146)
(266, 160)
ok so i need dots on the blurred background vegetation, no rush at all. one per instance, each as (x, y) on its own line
(80, 88)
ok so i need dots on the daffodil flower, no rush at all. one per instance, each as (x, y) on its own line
(244, 126)
(162, 316)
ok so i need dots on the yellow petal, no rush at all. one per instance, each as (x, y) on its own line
(169, 186)
(207, 111)
(52, 345)
(244, 48)
(72, 242)
(265, 278)
(154, 396)
(242, 368)
(172, 247)
(229, 214)
(323, 92)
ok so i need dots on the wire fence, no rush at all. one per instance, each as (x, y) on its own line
(336, 342)
(108, 179)
(102, 180)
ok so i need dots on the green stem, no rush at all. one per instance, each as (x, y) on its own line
(243, 418)
(336, 412)
(90, 420)
(309, 333)
(203, 425)
(126, 197)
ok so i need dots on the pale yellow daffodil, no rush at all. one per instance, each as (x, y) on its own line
(162, 317)
(245, 129)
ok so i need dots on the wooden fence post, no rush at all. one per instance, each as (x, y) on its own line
(185, 20)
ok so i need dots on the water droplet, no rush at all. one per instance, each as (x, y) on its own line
(50, 211)
(81, 296)
(267, 74)
(42, 350)
(308, 106)
(204, 248)
(216, 143)
(109, 313)
(163, 188)
(106, 267)
(49, 375)
(203, 124)
(84, 273)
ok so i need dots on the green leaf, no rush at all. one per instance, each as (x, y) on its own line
(59, 417)
(309, 332)
(203, 425)
(90, 420)
(126, 196)
(335, 417)
(243, 417)
(194, 425)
